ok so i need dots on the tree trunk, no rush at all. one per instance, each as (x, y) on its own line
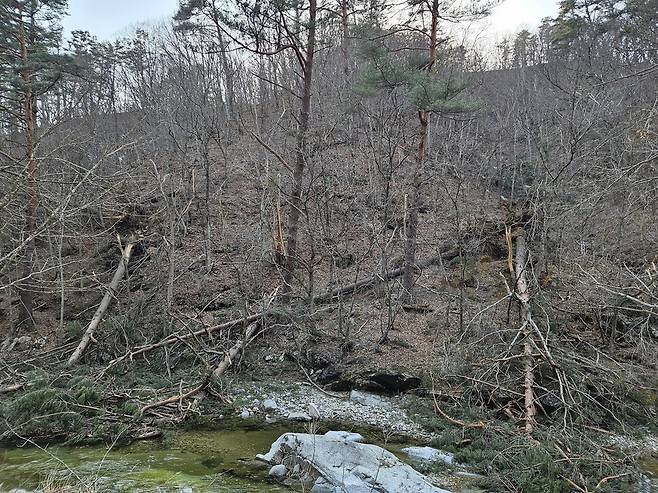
(523, 296)
(300, 158)
(233, 352)
(25, 315)
(411, 233)
(411, 238)
(112, 290)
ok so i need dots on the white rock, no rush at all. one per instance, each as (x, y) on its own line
(322, 486)
(346, 466)
(428, 454)
(185, 489)
(245, 414)
(313, 411)
(344, 435)
(298, 416)
(278, 471)
(270, 405)
(369, 400)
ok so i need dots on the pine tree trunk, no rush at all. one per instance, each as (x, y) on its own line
(411, 238)
(523, 296)
(25, 315)
(300, 158)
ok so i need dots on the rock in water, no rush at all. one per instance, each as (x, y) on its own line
(428, 454)
(340, 466)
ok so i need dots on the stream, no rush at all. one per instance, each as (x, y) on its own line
(221, 461)
(205, 461)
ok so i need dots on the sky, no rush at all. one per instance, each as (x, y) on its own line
(108, 19)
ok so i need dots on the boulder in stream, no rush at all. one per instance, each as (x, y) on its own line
(334, 465)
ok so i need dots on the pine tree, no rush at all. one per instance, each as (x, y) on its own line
(206, 15)
(29, 68)
(427, 93)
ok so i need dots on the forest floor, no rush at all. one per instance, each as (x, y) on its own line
(436, 347)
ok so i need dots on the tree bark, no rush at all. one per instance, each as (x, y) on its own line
(112, 290)
(300, 157)
(522, 294)
(411, 238)
(25, 315)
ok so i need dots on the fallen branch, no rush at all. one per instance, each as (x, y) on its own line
(11, 388)
(233, 352)
(450, 419)
(447, 253)
(458, 422)
(176, 398)
(112, 290)
(179, 338)
(219, 370)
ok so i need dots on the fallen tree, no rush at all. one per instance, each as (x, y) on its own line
(182, 337)
(447, 253)
(219, 370)
(111, 292)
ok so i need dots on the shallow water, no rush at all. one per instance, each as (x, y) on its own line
(206, 461)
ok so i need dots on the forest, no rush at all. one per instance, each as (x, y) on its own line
(280, 218)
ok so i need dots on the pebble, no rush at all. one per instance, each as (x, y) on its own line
(295, 399)
(270, 405)
(245, 414)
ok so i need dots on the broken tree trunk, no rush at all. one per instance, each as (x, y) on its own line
(523, 296)
(181, 337)
(112, 290)
(233, 352)
(447, 253)
(219, 370)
